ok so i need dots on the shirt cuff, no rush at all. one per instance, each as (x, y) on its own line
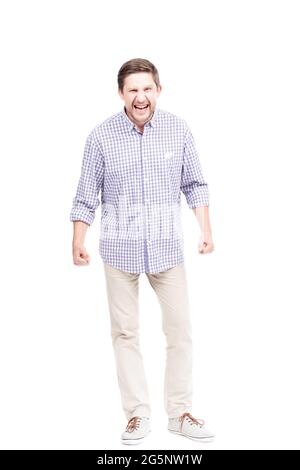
(199, 197)
(82, 215)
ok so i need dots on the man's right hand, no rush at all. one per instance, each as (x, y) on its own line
(80, 255)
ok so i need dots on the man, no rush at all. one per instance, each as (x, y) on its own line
(141, 159)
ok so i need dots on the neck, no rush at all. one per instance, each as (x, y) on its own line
(141, 128)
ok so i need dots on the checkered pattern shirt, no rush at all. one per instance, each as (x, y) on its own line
(140, 176)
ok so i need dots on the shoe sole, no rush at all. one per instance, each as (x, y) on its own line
(134, 441)
(198, 439)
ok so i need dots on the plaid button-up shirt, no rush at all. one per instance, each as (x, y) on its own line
(140, 177)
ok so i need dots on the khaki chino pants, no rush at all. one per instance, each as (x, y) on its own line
(170, 287)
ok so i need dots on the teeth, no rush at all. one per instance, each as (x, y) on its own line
(141, 107)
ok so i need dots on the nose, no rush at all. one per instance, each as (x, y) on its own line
(140, 98)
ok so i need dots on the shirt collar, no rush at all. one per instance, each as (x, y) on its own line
(131, 124)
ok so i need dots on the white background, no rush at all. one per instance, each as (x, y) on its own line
(231, 69)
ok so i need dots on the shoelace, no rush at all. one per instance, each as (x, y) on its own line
(133, 424)
(192, 420)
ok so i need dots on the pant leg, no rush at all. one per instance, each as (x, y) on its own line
(171, 289)
(122, 293)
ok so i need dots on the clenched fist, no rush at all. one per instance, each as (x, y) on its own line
(80, 255)
(205, 243)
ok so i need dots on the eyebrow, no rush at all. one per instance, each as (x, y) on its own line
(135, 88)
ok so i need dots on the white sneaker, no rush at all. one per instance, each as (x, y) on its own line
(190, 427)
(136, 430)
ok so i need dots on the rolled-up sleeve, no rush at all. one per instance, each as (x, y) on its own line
(193, 185)
(90, 183)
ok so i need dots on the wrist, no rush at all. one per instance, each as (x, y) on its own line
(77, 242)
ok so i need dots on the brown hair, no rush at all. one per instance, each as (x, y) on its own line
(135, 66)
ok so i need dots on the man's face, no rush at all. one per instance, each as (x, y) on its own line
(140, 91)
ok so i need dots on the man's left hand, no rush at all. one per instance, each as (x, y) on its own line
(205, 244)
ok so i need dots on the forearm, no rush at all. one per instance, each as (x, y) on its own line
(202, 216)
(79, 232)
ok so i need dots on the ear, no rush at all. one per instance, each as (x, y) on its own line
(120, 94)
(159, 90)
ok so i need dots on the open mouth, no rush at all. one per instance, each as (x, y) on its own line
(141, 108)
